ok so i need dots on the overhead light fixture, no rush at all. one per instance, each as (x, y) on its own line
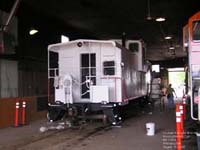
(168, 37)
(160, 19)
(33, 31)
(171, 48)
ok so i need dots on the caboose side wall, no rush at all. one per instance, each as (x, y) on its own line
(133, 80)
(70, 62)
(129, 75)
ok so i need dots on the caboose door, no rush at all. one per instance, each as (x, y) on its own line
(88, 73)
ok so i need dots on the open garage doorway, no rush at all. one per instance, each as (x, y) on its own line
(177, 79)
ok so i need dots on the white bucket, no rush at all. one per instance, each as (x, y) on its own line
(150, 128)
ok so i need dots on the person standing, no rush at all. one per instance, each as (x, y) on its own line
(170, 96)
(163, 98)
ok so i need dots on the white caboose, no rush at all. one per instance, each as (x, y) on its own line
(92, 75)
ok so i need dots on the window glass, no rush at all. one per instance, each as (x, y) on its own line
(196, 30)
(109, 68)
(86, 58)
(88, 71)
(93, 60)
(134, 47)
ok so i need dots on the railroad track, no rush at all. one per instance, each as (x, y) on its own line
(59, 139)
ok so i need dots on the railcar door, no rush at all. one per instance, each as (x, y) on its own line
(88, 73)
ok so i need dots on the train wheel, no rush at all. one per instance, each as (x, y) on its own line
(72, 111)
(55, 113)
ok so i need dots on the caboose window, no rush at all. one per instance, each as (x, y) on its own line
(196, 30)
(109, 68)
(134, 47)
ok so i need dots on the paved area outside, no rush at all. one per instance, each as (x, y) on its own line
(131, 136)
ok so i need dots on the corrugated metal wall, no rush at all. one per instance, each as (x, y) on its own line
(23, 78)
(32, 78)
(8, 78)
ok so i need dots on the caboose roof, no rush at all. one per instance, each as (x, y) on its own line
(59, 46)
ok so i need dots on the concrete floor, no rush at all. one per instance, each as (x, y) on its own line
(131, 136)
